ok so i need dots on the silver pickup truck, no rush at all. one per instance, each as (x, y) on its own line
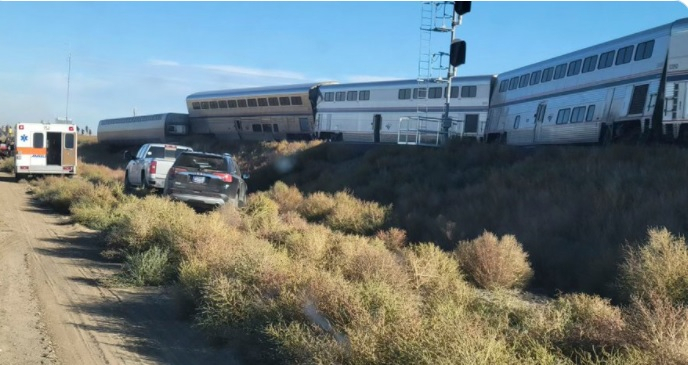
(149, 167)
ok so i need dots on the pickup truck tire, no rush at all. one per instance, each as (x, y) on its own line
(144, 183)
(127, 185)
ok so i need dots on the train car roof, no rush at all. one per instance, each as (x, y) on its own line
(257, 91)
(594, 49)
(146, 117)
(405, 82)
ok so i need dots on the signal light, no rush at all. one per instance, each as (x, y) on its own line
(457, 53)
(153, 167)
(462, 7)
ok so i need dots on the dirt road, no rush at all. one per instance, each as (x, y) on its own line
(54, 309)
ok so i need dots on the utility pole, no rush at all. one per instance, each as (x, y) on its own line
(457, 56)
(69, 72)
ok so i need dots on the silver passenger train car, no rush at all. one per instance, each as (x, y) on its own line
(371, 111)
(262, 113)
(622, 89)
(155, 128)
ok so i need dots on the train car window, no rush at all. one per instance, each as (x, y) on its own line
(574, 68)
(589, 64)
(524, 81)
(517, 121)
(513, 83)
(339, 96)
(590, 114)
(563, 116)
(222, 104)
(535, 77)
(469, 91)
(274, 102)
(364, 95)
(547, 74)
(606, 60)
(578, 114)
(644, 50)
(455, 92)
(284, 100)
(352, 96)
(262, 102)
(213, 105)
(435, 93)
(404, 94)
(275, 128)
(69, 141)
(196, 105)
(560, 71)
(420, 93)
(267, 128)
(232, 103)
(38, 140)
(296, 100)
(503, 86)
(256, 128)
(252, 103)
(624, 55)
(204, 105)
(242, 103)
(329, 96)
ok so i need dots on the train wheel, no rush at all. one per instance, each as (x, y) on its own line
(606, 135)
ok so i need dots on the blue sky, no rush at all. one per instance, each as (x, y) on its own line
(149, 56)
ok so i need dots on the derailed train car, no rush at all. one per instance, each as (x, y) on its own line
(261, 113)
(155, 128)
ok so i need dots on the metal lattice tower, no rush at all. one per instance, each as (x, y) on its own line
(436, 19)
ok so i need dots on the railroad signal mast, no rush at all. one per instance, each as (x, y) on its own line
(457, 57)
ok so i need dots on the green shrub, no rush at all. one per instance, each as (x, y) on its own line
(493, 263)
(658, 267)
(151, 267)
(592, 322)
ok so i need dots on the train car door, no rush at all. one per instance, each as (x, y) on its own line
(539, 119)
(69, 149)
(377, 125)
(54, 149)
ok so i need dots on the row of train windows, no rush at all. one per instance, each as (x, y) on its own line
(265, 128)
(347, 95)
(589, 64)
(469, 91)
(132, 119)
(247, 103)
(567, 115)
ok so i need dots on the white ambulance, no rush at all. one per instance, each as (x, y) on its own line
(45, 149)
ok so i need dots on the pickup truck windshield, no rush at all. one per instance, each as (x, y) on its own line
(162, 152)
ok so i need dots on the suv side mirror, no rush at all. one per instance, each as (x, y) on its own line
(245, 176)
(128, 156)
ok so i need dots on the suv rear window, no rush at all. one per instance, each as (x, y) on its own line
(215, 163)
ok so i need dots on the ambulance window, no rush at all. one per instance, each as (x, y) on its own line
(38, 140)
(69, 140)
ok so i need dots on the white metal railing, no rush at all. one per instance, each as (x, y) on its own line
(419, 131)
(427, 131)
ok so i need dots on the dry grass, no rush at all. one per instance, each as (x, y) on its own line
(491, 262)
(7, 165)
(658, 267)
